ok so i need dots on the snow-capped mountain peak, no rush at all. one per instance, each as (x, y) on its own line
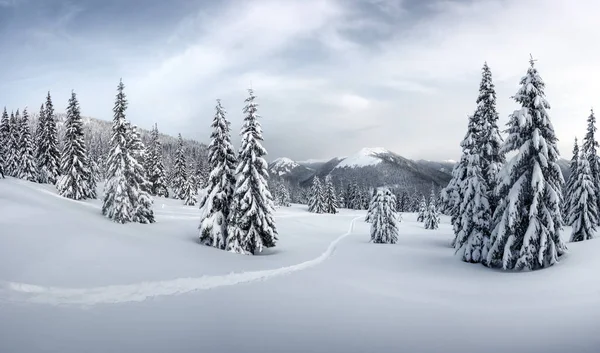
(282, 166)
(364, 157)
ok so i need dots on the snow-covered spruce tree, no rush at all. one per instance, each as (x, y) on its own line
(48, 155)
(567, 207)
(215, 204)
(422, 209)
(190, 190)
(4, 141)
(12, 156)
(488, 139)
(94, 177)
(384, 229)
(432, 216)
(27, 167)
(37, 137)
(584, 215)
(283, 195)
(475, 214)
(527, 222)
(154, 166)
(252, 223)
(74, 181)
(179, 171)
(331, 203)
(452, 195)
(589, 149)
(137, 176)
(372, 206)
(119, 195)
(316, 204)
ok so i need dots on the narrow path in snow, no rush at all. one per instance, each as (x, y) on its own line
(22, 292)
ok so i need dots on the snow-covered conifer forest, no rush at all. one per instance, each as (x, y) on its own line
(118, 238)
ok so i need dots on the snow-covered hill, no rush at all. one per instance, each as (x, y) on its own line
(364, 157)
(282, 166)
(285, 168)
(71, 281)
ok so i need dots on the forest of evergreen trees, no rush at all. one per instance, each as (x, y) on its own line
(505, 214)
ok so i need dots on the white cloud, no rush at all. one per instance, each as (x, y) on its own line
(390, 76)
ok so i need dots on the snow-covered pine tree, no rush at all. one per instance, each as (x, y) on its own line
(74, 183)
(179, 171)
(475, 215)
(154, 166)
(190, 190)
(384, 228)
(584, 215)
(137, 176)
(567, 207)
(331, 203)
(252, 223)
(48, 155)
(12, 159)
(4, 141)
(283, 195)
(341, 196)
(374, 204)
(216, 202)
(316, 204)
(488, 139)
(527, 222)
(422, 209)
(37, 137)
(452, 195)
(93, 178)
(432, 216)
(27, 167)
(589, 149)
(119, 196)
(2, 165)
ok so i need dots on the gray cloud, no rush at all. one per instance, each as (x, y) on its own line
(332, 76)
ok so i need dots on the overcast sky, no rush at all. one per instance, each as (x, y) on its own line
(331, 76)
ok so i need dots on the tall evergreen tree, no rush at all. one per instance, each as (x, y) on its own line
(190, 190)
(12, 156)
(384, 228)
(27, 167)
(74, 183)
(331, 203)
(589, 149)
(253, 226)
(422, 209)
(526, 235)
(475, 214)
(568, 207)
(179, 170)
(4, 141)
(316, 203)
(155, 168)
(137, 177)
(283, 195)
(489, 140)
(48, 155)
(372, 206)
(37, 138)
(93, 177)
(119, 196)
(584, 215)
(432, 216)
(215, 205)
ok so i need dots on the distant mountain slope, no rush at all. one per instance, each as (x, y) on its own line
(369, 167)
(290, 170)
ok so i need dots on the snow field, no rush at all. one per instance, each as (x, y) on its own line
(75, 282)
